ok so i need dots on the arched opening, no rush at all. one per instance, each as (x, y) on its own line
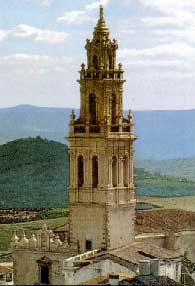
(110, 62)
(80, 171)
(44, 265)
(114, 172)
(44, 275)
(92, 108)
(113, 109)
(95, 62)
(125, 171)
(95, 172)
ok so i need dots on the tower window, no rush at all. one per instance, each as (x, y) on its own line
(95, 172)
(114, 172)
(125, 171)
(95, 62)
(80, 171)
(110, 62)
(88, 245)
(92, 108)
(113, 109)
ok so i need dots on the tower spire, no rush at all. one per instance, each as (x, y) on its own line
(101, 27)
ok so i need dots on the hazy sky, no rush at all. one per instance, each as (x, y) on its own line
(42, 47)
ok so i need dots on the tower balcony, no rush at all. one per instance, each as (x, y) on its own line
(110, 196)
(116, 74)
(83, 128)
(125, 127)
(77, 129)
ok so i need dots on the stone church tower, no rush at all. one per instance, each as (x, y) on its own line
(101, 191)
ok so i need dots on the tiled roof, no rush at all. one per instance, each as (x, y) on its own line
(5, 270)
(139, 250)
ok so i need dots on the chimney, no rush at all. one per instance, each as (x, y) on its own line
(172, 241)
(144, 267)
(155, 267)
(149, 267)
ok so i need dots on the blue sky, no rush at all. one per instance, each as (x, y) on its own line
(42, 47)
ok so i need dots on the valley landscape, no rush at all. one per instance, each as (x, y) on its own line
(34, 167)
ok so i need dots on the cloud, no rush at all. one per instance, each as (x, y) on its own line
(25, 58)
(179, 34)
(33, 64)
(76, 17)
(96, 5)
(156, 63)
(41, 2)
(161, 21)
(81, 16)
(179, 49)
(3, 35)
(35, 34)
(181, 12)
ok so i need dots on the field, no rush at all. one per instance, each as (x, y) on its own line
(165, 220)
(184, 203)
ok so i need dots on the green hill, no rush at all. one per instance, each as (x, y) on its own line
(33, 173)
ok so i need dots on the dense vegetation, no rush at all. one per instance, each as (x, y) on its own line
(156, 185)
(34, 173)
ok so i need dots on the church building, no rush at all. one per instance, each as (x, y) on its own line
(100, 237)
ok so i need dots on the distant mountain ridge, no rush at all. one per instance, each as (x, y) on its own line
(161, 134)
(180, 168)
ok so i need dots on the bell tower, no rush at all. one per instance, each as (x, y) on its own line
(101, 191)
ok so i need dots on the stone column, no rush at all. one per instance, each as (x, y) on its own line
(101, 170)
(110, 172)
(72, 166)
(120, 172)
(75, 172)
(131, 163)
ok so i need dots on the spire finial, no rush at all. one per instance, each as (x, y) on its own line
(101, 12)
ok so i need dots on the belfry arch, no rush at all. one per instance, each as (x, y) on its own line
(114, 171)
(95, 177)
(92, 108)
(114, 111)
(125, 171)
(80, 171)
(95, 62)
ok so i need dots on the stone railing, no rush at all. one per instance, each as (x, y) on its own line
(69, 262)
(79, 128)
(44, 240)
(102, 74)
(115, 196)
(82, 128)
